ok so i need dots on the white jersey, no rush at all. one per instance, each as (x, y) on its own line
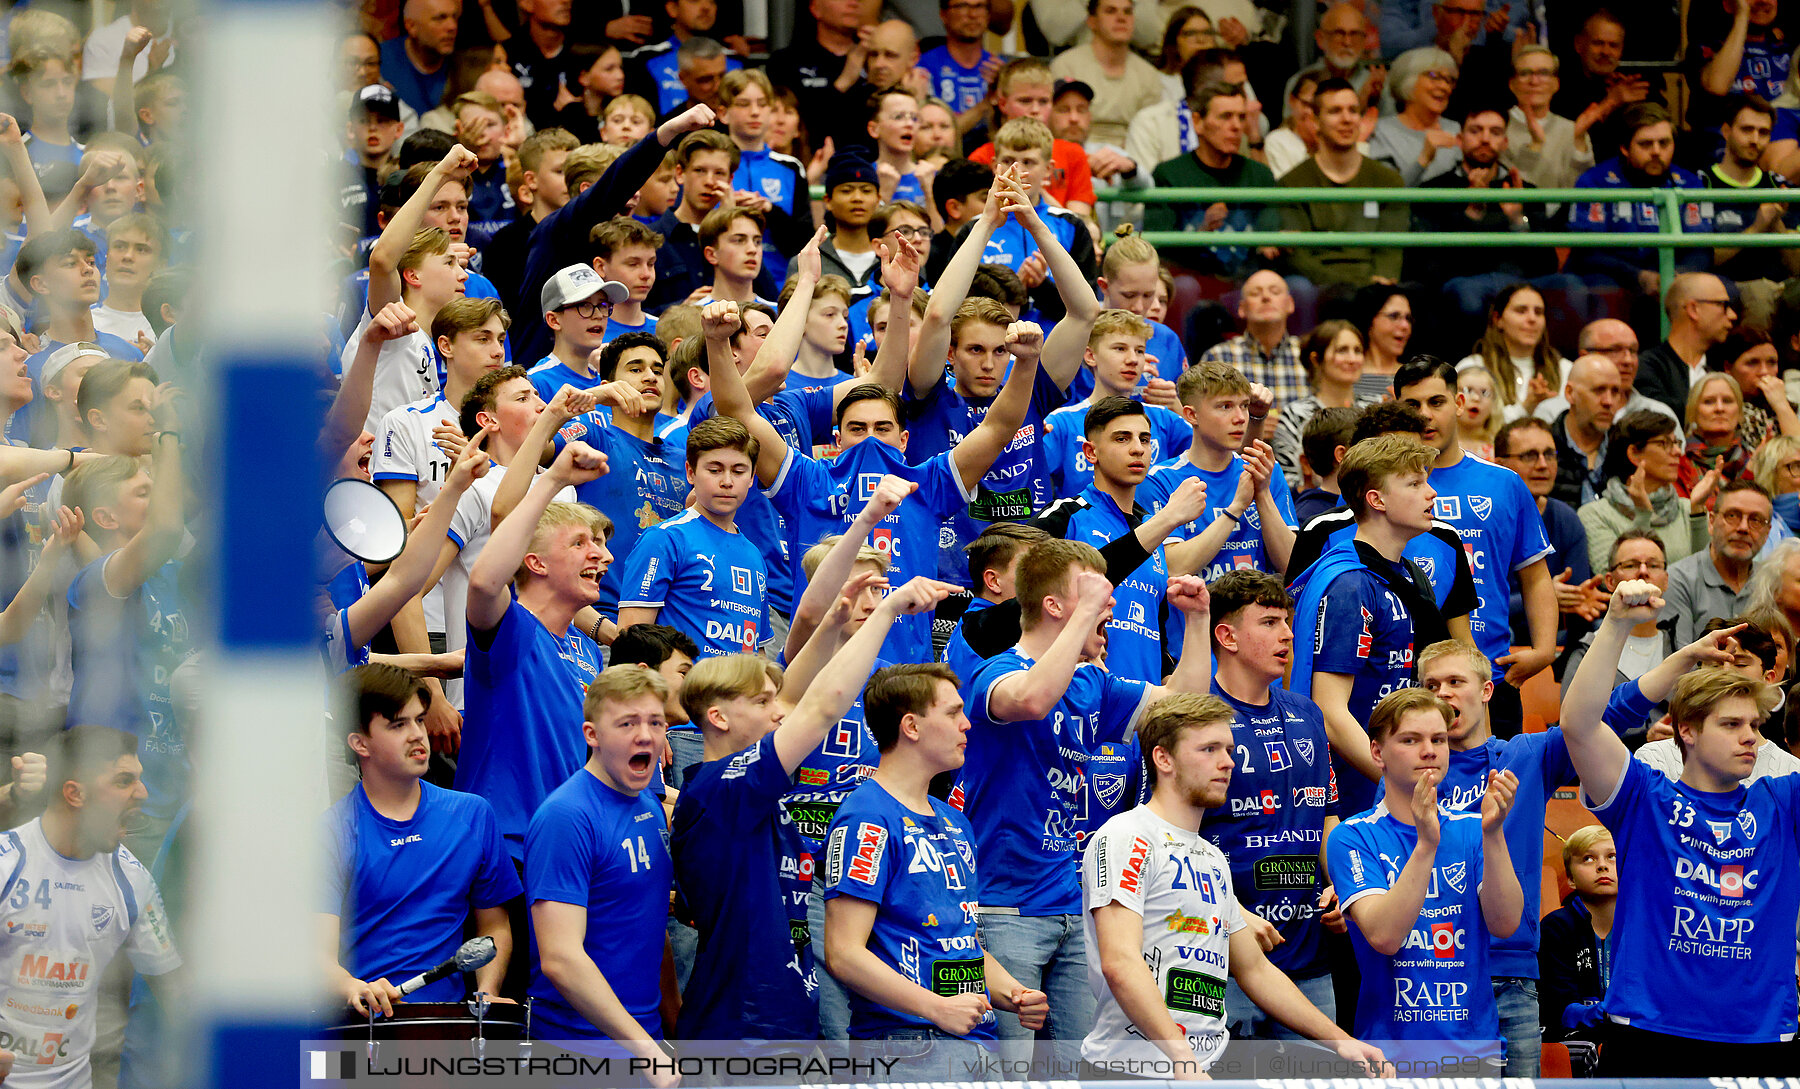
(405, 371)
(404, 450)
(1181, 885)
(61, 923)
(470, 528)
(1771, 759)
(127, 325)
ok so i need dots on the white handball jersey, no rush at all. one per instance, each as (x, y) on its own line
(405, 450)
(470, 528)
(61, 923)
(1181, 885)
(405, 371)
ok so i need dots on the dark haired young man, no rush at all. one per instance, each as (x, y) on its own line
(410, 863)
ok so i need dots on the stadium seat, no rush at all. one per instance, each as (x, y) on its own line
(1554, 1062)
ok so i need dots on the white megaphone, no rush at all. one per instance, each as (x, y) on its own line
(362, 521)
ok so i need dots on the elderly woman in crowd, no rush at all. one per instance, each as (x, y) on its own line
(1643, 463)
(1716, 446)
(1776, 466)
(1419, 141)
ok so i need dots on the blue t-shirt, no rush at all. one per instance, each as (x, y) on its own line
(846, 757)
(645, 484)
(1017, 484)
(1134, 635)
(1167, 360)
(123, 652)
(522, 695)
(403, 889)
(1541, 761)
(607, 852)
(1704, 927)
(744, 874)
(1011, 244)
(1023, 784)
(1245, 547)
(820, 498)
(550, 375)
(1070, 470)
(1437, 987)
(18, 427)
(958, 654)
(1364, 632)
(963, 88)
(1501, 531)
(802, 383)
(919, 871)
(1272, 824)
(708, 582)
(616, 328)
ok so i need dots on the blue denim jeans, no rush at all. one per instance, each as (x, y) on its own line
(834, 1001)
(1517, 1000)
(1046, 953)
(924, 1054)
(1247, 1021)
(689, 748)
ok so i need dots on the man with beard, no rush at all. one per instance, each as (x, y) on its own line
(1471, 277)
(1646, 160)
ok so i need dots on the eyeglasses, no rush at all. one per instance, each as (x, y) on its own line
(1346, 35)
(1726, 303)
(915, 233)
(1667, 442)
(1626, 567)
(1477, 394)
(591, 308)
(1441, 77)
(1547, 457)
(1742, 517)
(1535, 73)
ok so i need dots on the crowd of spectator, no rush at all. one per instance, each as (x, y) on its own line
(859, 587)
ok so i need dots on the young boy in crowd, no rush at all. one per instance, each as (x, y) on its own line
(410, 864)
(852, 194)
(972, 335)
(705, 164)
(136, 246)
(1115, 358)
(696, 571)
(57, 268)
(1367, 605)
(1026, 145)
(826, 332)
(1424, 890)
(731, 242)
(993, 571)
(1275, 851)
(1251, 521)
(416, 267)
(1323, 444)
(879, 908)
(764, 173)
(372, 136)
(46, 78)
(644, 484)
(577, 304)
(625, 252)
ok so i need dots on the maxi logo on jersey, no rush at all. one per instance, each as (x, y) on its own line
(866, 865)
(43, 974)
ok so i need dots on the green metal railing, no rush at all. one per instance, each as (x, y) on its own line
(1668, 238)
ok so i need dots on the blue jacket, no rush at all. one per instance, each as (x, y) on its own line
(1625, 217)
